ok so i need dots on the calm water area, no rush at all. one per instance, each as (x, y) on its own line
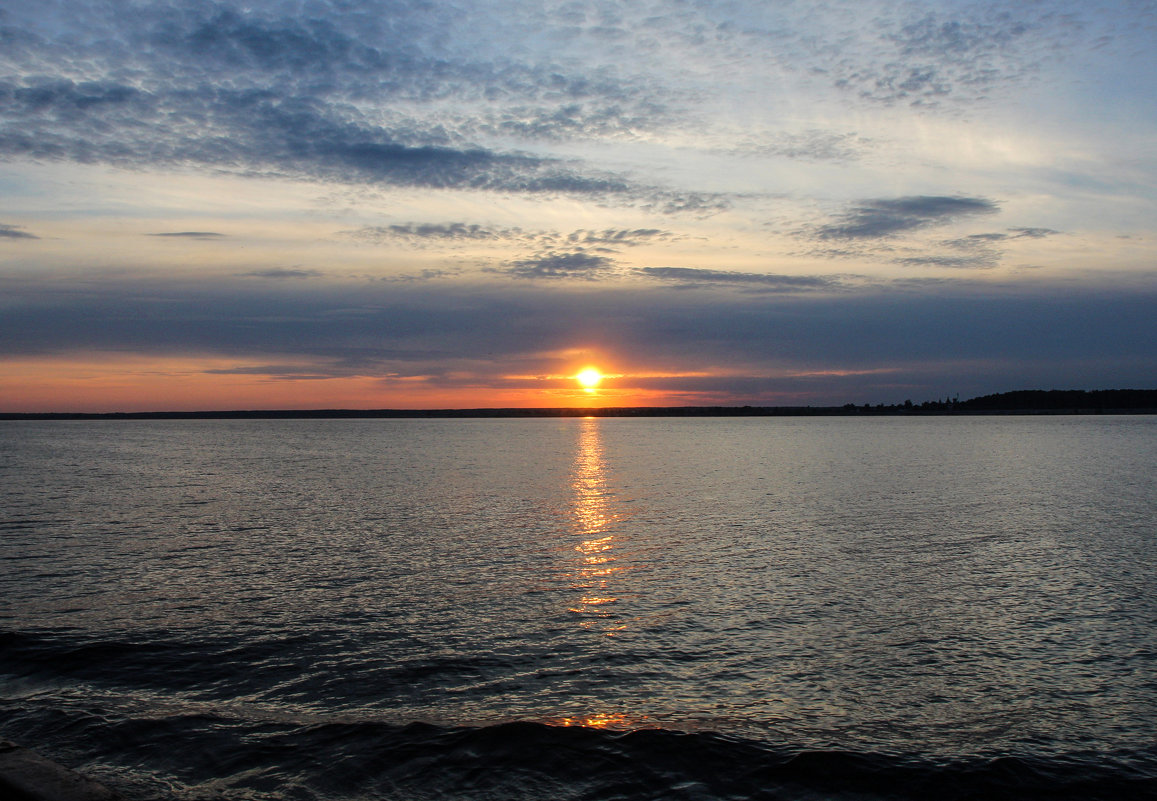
(779, 608)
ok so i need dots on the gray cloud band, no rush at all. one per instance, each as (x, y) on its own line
(879, 218)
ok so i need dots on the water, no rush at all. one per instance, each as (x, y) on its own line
(780, 608)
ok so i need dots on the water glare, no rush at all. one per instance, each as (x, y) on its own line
(597, 524)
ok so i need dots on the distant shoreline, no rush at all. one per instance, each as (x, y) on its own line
(1024, 402)
(637, 412)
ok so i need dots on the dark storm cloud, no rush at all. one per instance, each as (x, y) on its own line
(15, 232)
(576, 264)
(886, 217)
(758, 282)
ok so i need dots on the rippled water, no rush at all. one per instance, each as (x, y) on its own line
(585, 608)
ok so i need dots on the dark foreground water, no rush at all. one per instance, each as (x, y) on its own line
(842, 608)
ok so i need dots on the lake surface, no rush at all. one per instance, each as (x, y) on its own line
(780, 608)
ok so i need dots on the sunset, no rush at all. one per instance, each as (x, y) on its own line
(578, 400)
(284, 205)
(589, 378)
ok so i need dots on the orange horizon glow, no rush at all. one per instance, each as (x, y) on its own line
(103, 382)
(111, 383)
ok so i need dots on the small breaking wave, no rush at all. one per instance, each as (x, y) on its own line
(189, 757)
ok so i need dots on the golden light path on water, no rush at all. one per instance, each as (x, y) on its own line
(594, 573)
(595, 570)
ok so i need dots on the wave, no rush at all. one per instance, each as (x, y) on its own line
(187, 757)
(115, 706)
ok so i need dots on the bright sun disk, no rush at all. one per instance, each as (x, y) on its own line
(589, 378)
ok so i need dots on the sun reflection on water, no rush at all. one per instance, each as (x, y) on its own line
(609, 720)
(594, 569)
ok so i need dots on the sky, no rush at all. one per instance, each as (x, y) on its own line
(284, 204)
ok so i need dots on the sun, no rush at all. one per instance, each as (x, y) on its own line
(589, 378)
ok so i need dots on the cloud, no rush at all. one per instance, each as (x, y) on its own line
(576, 264)
(881, 218)
(1032, 233)
(703, 204)
(960, 54)
(425, 275)
(579, 254)
(429, 96)
(66, 99)
(606, 119)
(973, 241)
(15, 232)
(1048, 334)
(278, 273)
(628, 237)
(243, 40)
(436, 231)
(412, 52)
(759, 282)
(812, 145)
(981, 251)
(984, 240)
(283, 372)
(339, 96)
(607, 240)
(206, 235)
(980, 261)
(269, 129)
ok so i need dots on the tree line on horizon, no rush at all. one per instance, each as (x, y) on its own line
(1027, 400)
(1060, 399)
